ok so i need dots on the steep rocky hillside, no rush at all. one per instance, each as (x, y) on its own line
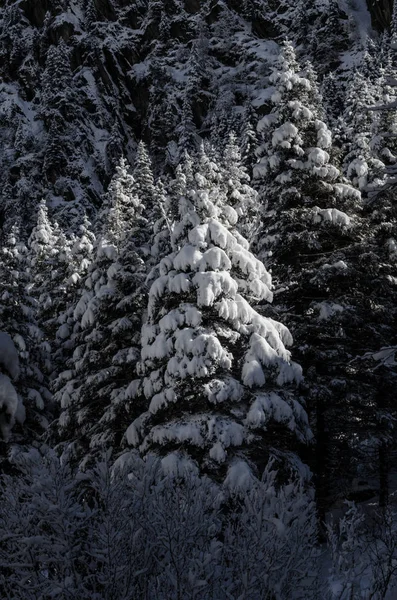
(83, 80)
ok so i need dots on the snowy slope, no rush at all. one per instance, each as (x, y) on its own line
(83, 82)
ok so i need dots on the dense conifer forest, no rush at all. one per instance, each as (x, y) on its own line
(198, 299)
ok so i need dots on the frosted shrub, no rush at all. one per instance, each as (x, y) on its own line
(270, 542)
(346, 547)
(134, 531)
(43, 531)
(363, 550)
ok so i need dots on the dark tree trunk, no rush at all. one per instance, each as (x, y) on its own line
(385, 403)
(321, 479)
(383, 455)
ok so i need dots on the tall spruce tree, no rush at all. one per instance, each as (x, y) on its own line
(18, 320)
(95, 395)
(384, 125)
(56, 265)
(217, 378)
(377, 364)
(196, 96)
(57, 79)
(41, 254)
(359, 163)
(12, 342)
(249, 141)
(316, 236)
(143, 180)
(294, 173)
(239, 194)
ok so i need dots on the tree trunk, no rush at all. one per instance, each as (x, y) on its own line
(321, 479)
(383, 456)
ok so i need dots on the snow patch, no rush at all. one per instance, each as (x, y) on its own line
(239, 477)
(331, 215)
(327, 310)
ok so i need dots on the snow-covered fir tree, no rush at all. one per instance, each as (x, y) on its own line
(95, 392)
(57, 82)
(217, 378)
(69, 269)
(162, 118)
(315, 234)
(158, 211)
(249, 140)
(359, 163)
(57, 264)
(143, 178)
(333, 94)
(12, 323)
(240, 195)
(196, 97)
(42, 251)
(376, 364)
(23, 344)
(12, 409)
(294, 169)
(384, 125)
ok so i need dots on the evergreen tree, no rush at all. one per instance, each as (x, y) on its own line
(95, 395)
(333, 97)
(12, 325)
(315, 235)
(121, 200)
(375, 56)
(114, 148)
(69, 269)
(187, 130)
(12, 410)
(223, 120)
(294, 168)
(56, 266)
(153, 195)
(393, 24)
(217, 378)
(42, 250)
(18, 320)
(384, 126)
(197, 96)
(91, 15)
(359, 163)
(143, 177)
(162, 115)
(240, 195)
(249, 141)
(57, 79)
(55, 157)
(376, 364)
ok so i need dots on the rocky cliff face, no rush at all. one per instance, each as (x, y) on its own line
(83, 80)
(381, 13)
